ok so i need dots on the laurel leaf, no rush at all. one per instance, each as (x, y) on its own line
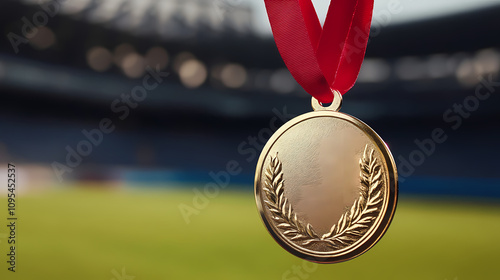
(358, 218)
(299, 237)
(368, 211)
(279, 184)
(284, 225)
(366, 219)
(330, 233)
(288, 232)
(378, 196)
(281, 209)
(352, 224)
(357, 226)
(360, 204)
(356, 233)
(343, 219)
(289, 212)
(344, 238)
(274, 210)
(311, 231)
(341, 241)
(307, 242)
(376, 176)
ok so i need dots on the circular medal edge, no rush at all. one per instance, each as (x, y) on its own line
(376, 231)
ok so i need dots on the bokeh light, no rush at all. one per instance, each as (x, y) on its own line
(410, 68)
(437, 66)
(374, 71)
(282, 81)
(157, 56)
(193, 73)
(180, 59)
(133, 65)
(487, 61)
(43, 39)
(467, 73)
(99, 58)
(120, 52)
(233, 75)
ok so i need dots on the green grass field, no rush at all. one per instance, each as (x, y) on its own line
(77, 233)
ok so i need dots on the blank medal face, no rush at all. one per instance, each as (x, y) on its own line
(326, 187)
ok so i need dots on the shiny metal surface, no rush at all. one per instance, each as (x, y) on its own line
(326, 185)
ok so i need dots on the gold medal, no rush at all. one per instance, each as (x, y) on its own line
(326, 185)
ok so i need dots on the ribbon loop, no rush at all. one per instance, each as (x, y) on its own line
(321, 59)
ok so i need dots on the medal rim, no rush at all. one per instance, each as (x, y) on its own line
(376, 231)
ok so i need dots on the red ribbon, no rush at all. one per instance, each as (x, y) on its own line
(322, 59)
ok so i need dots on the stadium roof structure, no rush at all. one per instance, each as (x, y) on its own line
(398, 56)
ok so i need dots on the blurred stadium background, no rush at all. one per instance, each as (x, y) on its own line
(116, 214)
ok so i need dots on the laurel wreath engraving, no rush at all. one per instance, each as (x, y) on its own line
(353, 223)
